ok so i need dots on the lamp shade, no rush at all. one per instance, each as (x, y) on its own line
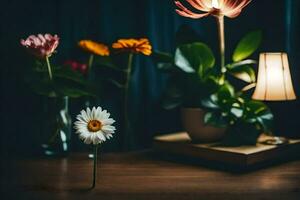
(274, 79)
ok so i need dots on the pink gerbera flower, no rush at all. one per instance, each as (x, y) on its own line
(41, 46)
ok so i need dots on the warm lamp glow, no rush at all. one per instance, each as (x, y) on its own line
(274, 79)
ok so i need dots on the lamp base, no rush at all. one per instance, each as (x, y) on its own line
(275, 140)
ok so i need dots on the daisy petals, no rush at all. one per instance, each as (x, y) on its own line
(90, 135)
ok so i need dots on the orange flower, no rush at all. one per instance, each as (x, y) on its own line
(217, 8)
(134, 45)
(94, 47)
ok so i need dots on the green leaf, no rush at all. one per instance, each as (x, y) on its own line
(69, 74)
(194, 57)
(215, 119)
(240, 63)
(225, 92)
(66, 82)
(247, 46)
(255, 107)
(237, 112)
(265, 119)
(258, 112)
(41, 66)
(248, 87)
(244, 72)
(211, 102)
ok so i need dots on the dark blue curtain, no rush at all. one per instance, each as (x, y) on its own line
(106, 21)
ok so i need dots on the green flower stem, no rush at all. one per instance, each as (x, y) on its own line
(90, 63)
(88, 76)
(66, 102)
(49, 68)
(95, 166)
(220, 21)
(126, 89)
(128, 77)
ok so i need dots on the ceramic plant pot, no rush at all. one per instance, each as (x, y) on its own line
(198, 131)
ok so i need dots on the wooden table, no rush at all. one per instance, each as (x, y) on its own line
(143, 175)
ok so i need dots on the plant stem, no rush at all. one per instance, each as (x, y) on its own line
(126, 90)
(220, 21)
(90, 63)
(66, 104)
(89, 78)
(95, 166)
(49, 68)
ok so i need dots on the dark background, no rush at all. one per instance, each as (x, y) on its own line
(106, 21)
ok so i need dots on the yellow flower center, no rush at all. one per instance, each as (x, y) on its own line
(94, 125)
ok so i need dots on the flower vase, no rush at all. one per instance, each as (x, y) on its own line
(56, 130)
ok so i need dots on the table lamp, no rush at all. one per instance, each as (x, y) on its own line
(274, 83)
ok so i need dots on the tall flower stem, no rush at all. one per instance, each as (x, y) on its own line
(49, 68)
(90, 63)
(89, 78)
(126, 90)
(220, 21)
(95, 166)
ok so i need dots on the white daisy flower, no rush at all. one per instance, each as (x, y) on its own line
(94, 126)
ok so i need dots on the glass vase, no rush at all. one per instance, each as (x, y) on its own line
(56, 130)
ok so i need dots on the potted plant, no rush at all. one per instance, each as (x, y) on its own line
(212, 105)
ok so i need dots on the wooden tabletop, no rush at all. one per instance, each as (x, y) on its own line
(143, 175)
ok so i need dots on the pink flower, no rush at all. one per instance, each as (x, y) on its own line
(217, 8)
(41, 46)
(76, 66)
